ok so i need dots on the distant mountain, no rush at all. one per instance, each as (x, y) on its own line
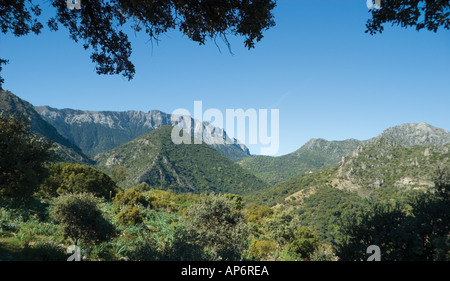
(98, 131)
(411, 134)
(381, 165)
(65, 150)
(316, 154)
(154, 159)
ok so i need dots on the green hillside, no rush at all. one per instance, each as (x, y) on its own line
(315, 155)
(382, 171)
(383, 167)
(154, 159)
(276, 194)
(318, 154)
(386, 163)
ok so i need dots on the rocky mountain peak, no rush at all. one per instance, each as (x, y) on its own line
(410, 134)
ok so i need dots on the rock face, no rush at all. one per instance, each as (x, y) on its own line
(411, 134)
(98, 131)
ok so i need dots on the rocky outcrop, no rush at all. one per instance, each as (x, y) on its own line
(387, 163)
(411, 134)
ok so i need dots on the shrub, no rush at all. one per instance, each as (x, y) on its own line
(80, 218)
(163, 200)
(257, 213)
(304, 244)
(76, 178)
(324, 252)
(44, 251)
(130, 198)
(130, 215)
(261, 250)
(221, 228)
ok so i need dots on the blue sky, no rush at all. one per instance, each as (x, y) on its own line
(326, 76)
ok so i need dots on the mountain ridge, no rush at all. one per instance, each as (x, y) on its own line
(319, 153)
(99, 131)
(313, 156)
(382, 165)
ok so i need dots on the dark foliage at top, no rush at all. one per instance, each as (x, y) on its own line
(99, 24)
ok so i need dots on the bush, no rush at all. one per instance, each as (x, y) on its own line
(323, 253)
(261, 250)
(80, 218)
(257, 213)
(130, 198)
(163, 200)
(8, 221)
(304, 244)
(44, 251)
(104, 251)
(221, 228)
(76, 178)
(130, 215)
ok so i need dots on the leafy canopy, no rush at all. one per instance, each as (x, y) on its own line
(419, 14)
(99, 24)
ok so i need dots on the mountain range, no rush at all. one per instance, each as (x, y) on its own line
(319, 186)
(318, 154)
(381, 165)
(98, 131)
